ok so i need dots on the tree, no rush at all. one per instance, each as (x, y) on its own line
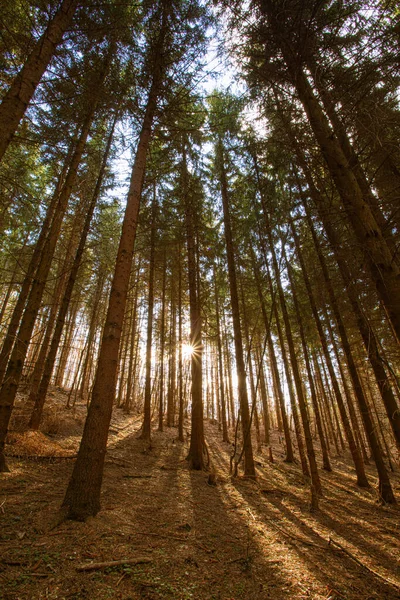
(219, 107)
(82, 497)
(18, 96)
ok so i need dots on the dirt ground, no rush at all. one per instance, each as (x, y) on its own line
(179, 538)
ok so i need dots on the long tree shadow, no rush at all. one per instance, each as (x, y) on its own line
(277, 505)
(201, 541)
(240, 539)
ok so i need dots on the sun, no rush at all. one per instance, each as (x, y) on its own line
(187, 350)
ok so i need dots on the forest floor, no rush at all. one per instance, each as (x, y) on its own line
(239, 539)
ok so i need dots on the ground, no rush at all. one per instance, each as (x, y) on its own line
(238, 539)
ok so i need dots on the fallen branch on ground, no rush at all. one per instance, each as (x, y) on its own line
(332, 542)
(113, 563)
(128, 476)
(161, 535)
(296, 538)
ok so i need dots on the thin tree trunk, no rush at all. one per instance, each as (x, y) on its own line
(249, 469)
(40, 397)
(275, 370)
(10, 336)
(383, 267)
(180, 361)
(146, 426)
(325, 455)
(264, 399)
(197, 442)
(315, 479)
(295, 415)
(367, 334)
(385, 488)
(361, 476)
(162, 345)
(17, 359)
(133, 346)
(225, 436)
(172, 355)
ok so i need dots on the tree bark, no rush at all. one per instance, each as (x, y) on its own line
(222, 397)
(324, 449)
(275, 370)
(17, 98)
(385, 488)
(146, 426)
(82, 497)
(17, 359)
(361, 476)
(249, 469)
(197, 443)
(162, 345)
(39, 398)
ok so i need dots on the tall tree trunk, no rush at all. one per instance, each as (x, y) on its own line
(382, 264)
(351, 156)
(347, 392)
(17, 359)
(10, 288)
(253, 384)
(17, 98)
(274, 365)
(133, 344)
(40, 397)
(264, 399)
(171, 396)
(82, 497)
(328, 408)
(361, 476)
(295, 415)
(10, 336)
(197, 443)
(366, 331)
(249, 469)
(225, 436)
(180, 358)
(385, 488)
(315, 479)
(162, 345)
(146, 426)
(325, 455)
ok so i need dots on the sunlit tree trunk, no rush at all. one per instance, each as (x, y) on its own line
(264, 399)
(180, 358)
(133, 343)
(222, 398)
(146, 426)
(197, 443)
(162, 346)
(171, 396)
